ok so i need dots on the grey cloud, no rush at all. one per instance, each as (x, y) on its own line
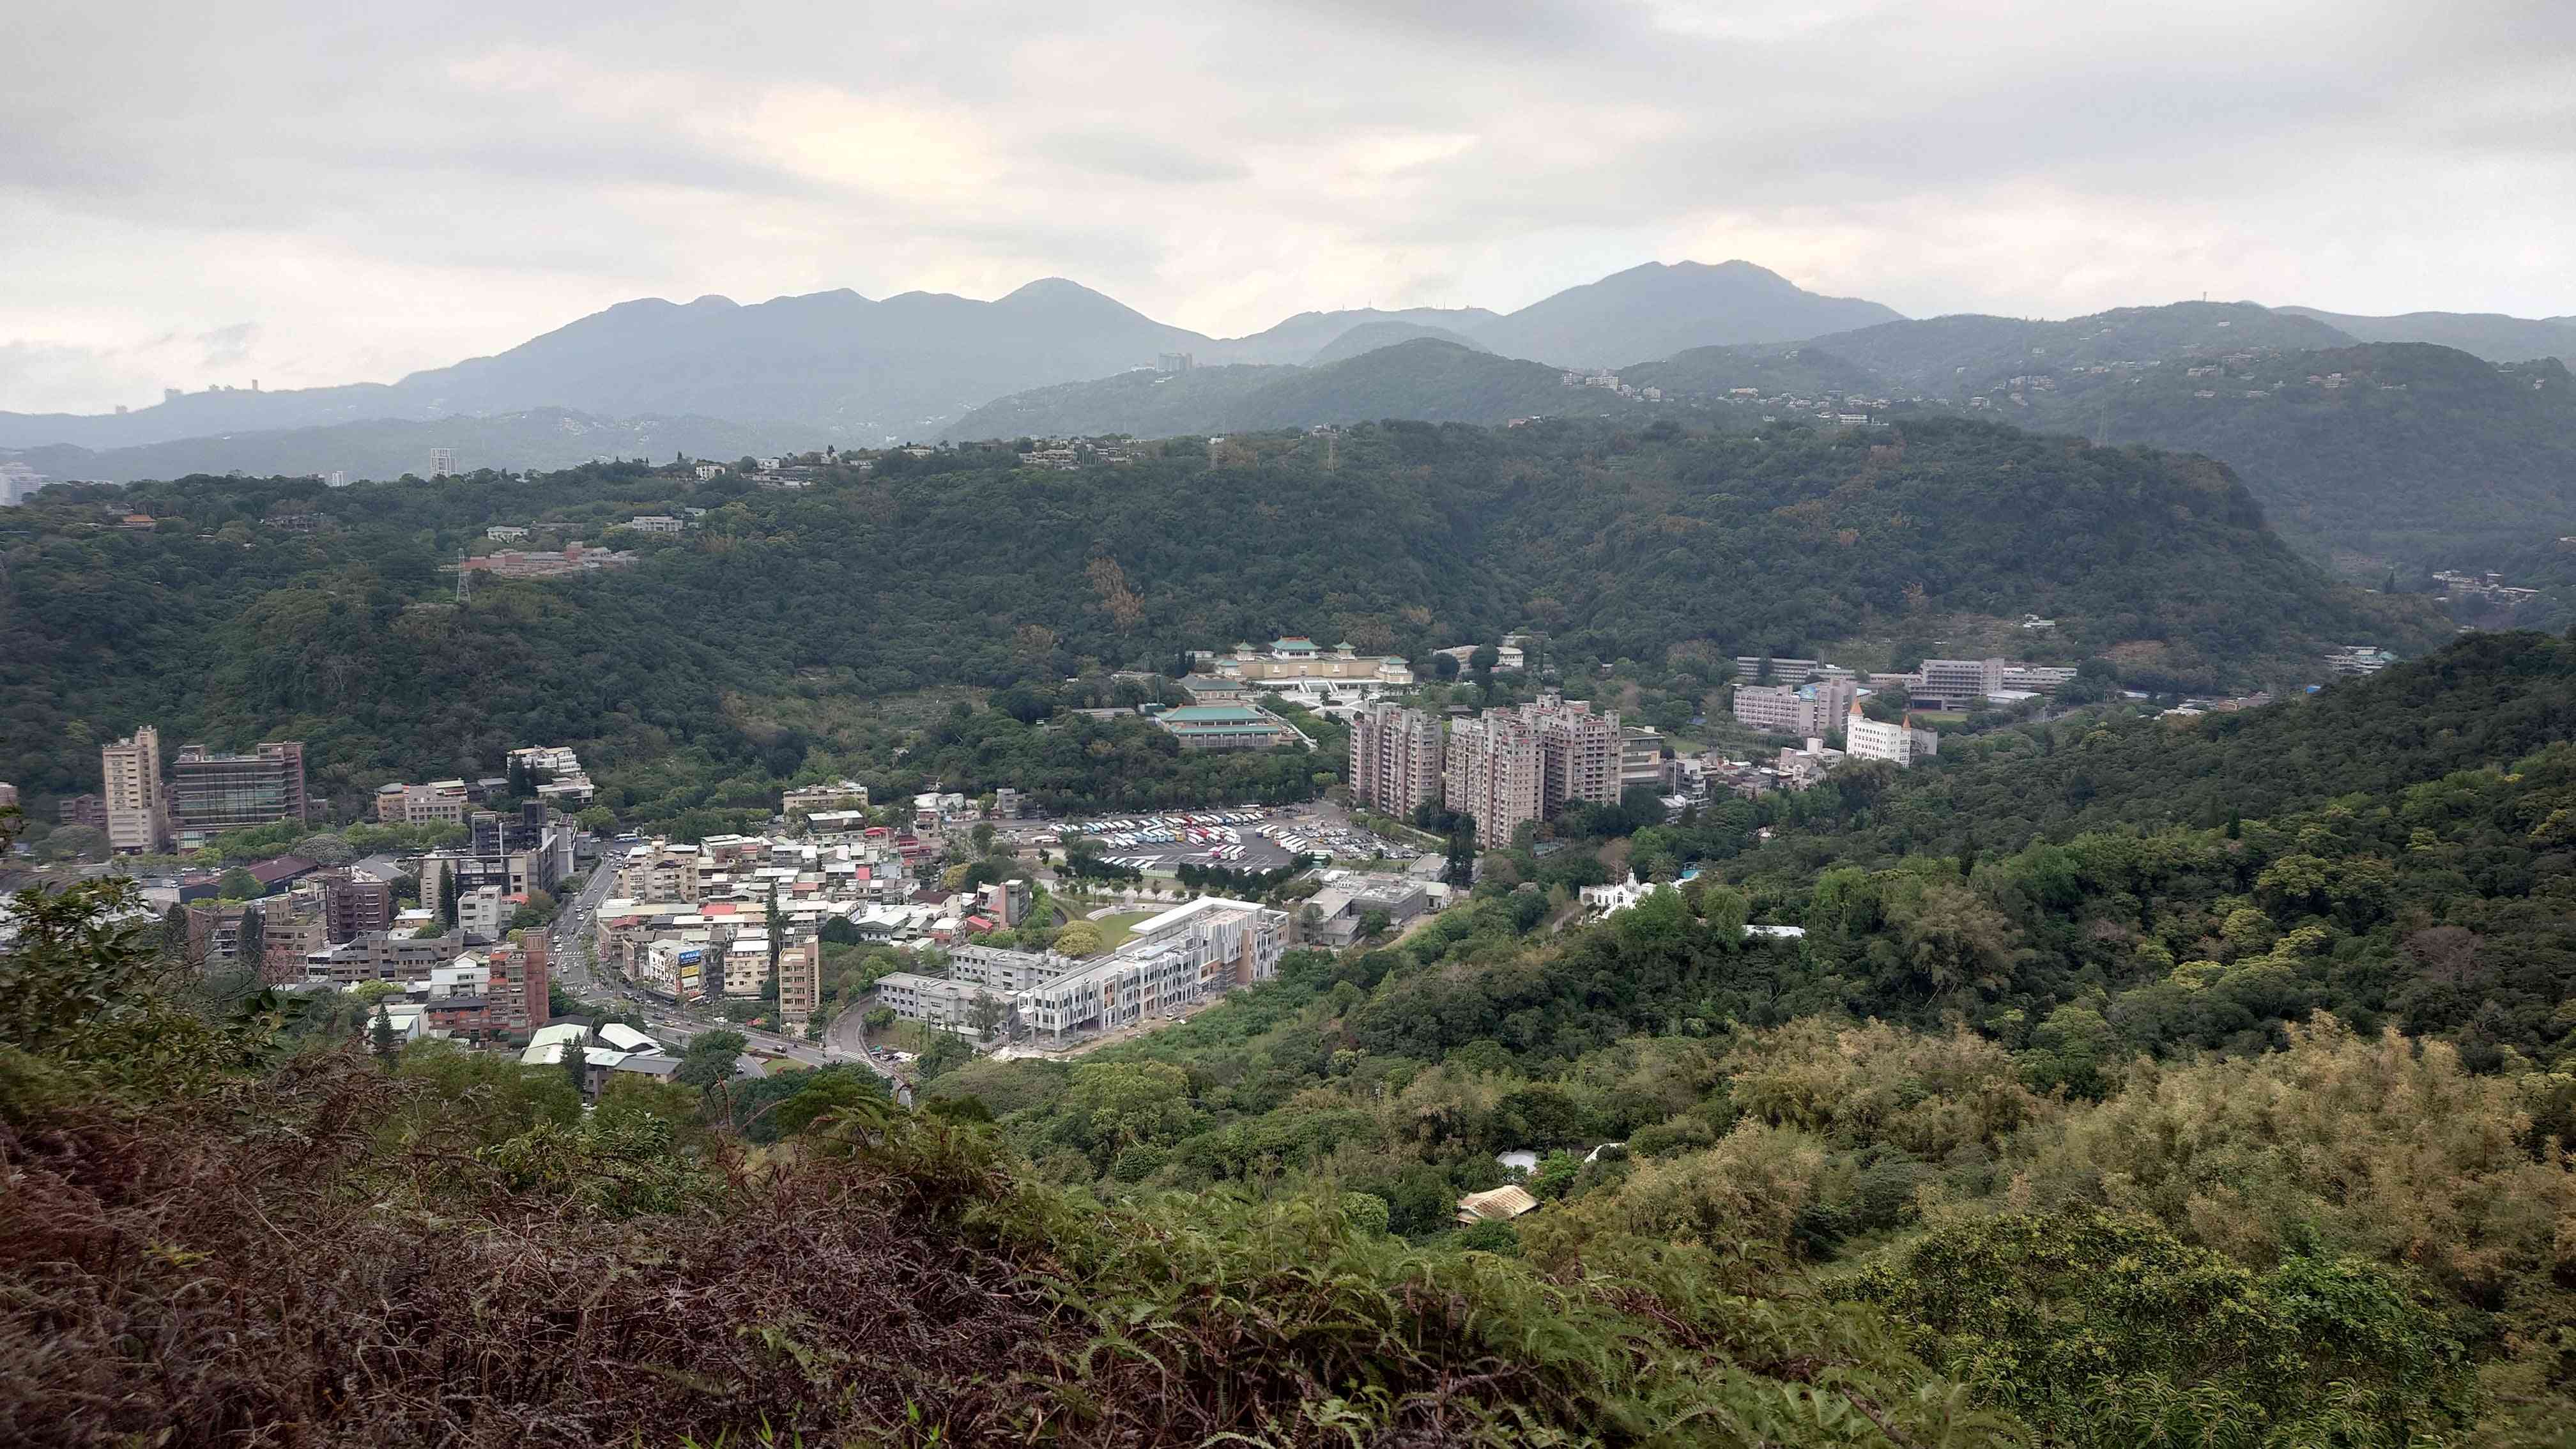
(1216, 161)
(1141, 158)
(226, 345)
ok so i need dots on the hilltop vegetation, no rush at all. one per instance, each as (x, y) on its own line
(2420, 453)
(2416, 453)
(225, 1221)
(965, 567)
(2143, 1127)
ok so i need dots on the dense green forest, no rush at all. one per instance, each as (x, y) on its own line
(2421, 453)
(708, 672)
(2417, 454)
(2143, 1073)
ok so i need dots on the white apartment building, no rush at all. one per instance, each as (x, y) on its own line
(1898, 744)
(675, 970)
(1181, 957)
(939, 1000)
(1009, 972)
(484, 912)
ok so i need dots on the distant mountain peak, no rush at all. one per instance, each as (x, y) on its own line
(1656, 309)
(1049, 288)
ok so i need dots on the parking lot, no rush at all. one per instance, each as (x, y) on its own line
(1239, 839)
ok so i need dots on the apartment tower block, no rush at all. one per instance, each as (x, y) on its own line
(137, 817)
(1396, 759)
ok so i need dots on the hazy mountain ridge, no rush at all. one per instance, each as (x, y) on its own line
(1711, 371)
(1656, 310)
(1298, 339)
(2491, 335)
(1422, 379)
(1957, 356)
(392, 447)
(1370, 336)
(839, 366)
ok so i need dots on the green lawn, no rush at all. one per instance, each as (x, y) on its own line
(1115, 930)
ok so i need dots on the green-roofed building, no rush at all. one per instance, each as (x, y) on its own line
(1227, 727)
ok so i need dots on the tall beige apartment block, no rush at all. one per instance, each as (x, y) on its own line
(1492, 773)
(137, 817)
(1579, 753)
(1396, 758)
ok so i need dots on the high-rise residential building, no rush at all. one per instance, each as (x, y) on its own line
(1641, 759)
(89, 810)
(1491, 771)
(519, 994)
(1396, 758)
(442, 462)
(137, 817)
(1579, 753)
(1530, 763)
(800, 982)
(210, 793)
(354, 904)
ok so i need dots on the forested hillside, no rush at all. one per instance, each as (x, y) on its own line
(228, 1217)
(2402, 453)
(2092, 1080)
(2414, 452)
(965, 567)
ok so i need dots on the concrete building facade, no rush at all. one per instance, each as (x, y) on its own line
(1899, 744)
(1397, 757)
(211, 793)
(137, 811)
(1801, 711)
(1491, 771)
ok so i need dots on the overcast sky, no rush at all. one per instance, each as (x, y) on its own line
(206, 191)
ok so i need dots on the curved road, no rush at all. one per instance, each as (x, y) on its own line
(569, 938)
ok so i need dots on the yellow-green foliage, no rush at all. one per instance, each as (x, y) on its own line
(1929, 1094)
